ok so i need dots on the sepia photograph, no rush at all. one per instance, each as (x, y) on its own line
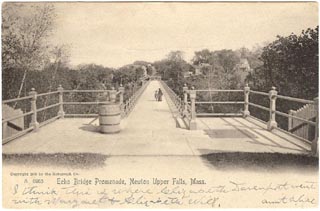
(170, 105)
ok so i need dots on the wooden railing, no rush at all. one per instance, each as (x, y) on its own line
(300, 128)
(187, 108)
(112, 95)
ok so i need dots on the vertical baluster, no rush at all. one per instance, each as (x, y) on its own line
(314, 144)
(290, 125)
(185, 100)
(272, 114)
(61, 113)
(34, 122)
(193, 123)
(121, 89)
(246, 111)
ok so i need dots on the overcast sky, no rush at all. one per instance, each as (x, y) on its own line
(115, 34)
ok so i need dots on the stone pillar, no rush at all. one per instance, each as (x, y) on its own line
(314, 144)
(60, 112)
(193, 123)
(246, 111)
(113, 95)
(272, 114)
(34, 122)
(121, 89)
(185, 99)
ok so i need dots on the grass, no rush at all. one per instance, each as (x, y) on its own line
(262, 161)
(73, 160)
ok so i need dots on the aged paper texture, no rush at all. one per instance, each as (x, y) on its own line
(160, 105)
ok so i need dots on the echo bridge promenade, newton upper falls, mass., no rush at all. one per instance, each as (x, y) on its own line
(170, 127)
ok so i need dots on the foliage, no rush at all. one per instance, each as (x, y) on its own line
(291, 64)
(24, 31)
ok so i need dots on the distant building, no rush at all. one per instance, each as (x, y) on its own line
(187, 74)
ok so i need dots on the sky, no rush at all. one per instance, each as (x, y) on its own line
(116, 34)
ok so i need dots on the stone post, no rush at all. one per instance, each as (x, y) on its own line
(193, 123)
(185, 99)
(314, 144)
(121, 89)
(113, 95)
(34, 122)
(246, 111)
(272, 114)
(61, 112)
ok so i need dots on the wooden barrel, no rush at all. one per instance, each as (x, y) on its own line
(109, 117)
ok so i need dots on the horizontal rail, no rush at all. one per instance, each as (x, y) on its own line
(218, 90)
(21, 133)
(81, 103)
(219, 114)
(259, 106)
(17, 99)
(49, 121)
(81, 115)
(220, 102)
(259, 93)
(257, 119)
(294, 117)
(87, 91)
(18, 116)
(295, 99)
(47, 107)
(47, 93)
(293, 135)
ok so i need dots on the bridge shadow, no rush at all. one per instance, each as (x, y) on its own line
(90, 128)
(70, 160)
(253, 134)
(255, 161)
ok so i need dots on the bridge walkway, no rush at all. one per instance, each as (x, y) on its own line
(151, 130)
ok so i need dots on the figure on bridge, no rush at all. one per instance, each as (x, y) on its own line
(156, 95)
(160, 95)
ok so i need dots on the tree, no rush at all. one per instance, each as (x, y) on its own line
(291, 64)
(172, 69)
(25, 29)
(202, 57)
(176, 56)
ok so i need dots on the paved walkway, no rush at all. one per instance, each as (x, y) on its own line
(151, 130)
(151, 146)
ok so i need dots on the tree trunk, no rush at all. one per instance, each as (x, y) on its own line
(21, 85)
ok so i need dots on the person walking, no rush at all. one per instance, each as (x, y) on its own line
(156, 95)
(160, 95)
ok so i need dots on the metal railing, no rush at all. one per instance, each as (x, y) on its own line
(116, 96)
(187, 108)
(128, 106)
(33, 124)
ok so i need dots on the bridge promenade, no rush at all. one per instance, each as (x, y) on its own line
(152, 129)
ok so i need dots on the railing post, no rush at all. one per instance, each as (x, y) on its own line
(314, 144)
(34, 122)
(185, 99)
(290, 119)
(121, 89)
(113, 96)
(272, 114)
(246, 111)
(193, 123)
(60, 112)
